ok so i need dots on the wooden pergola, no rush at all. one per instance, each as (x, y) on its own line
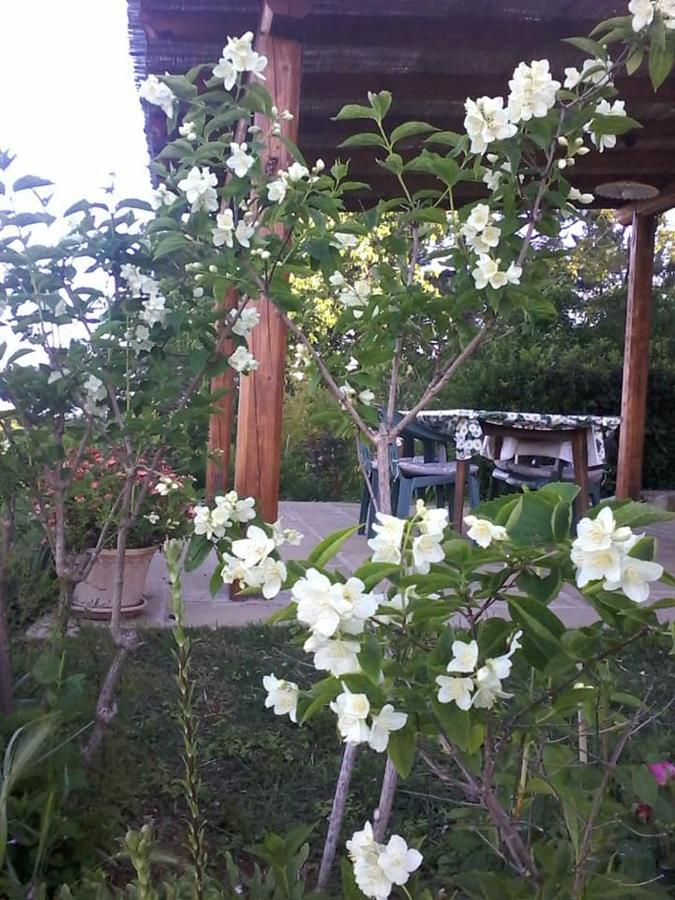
(431, 54)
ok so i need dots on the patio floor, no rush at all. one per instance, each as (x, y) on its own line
(315, 521)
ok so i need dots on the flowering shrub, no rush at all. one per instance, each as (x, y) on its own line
(164, 511)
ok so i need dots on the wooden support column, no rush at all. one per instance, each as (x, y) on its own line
(261, 394)
(220, 421)
(636, 356)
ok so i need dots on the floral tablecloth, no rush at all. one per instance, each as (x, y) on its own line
(462, 427)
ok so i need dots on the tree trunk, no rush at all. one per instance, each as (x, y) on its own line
(6, 681)
(336, 815)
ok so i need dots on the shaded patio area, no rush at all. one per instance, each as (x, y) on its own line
(316, 521)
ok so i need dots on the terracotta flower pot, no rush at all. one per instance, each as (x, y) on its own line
(93, 597)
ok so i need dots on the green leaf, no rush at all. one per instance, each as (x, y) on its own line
(401, 748)
(429, 214)
(410, 129)
(393, 163)
(132, 203)
(381, 102)
(530, 521)
(30, 183)
(455, 722)
(542, 589)
(561, 520)
(320, 695)
(613, 124)
(634, 60)
(447, 169)
(447, 138)
(372, 573)
(198, 549)
(588, 45)
(326, 549)
(559, 490)
(370, 658)
(634, 513)
(47, 668)
(660, 63)
(645, 548)
(364, 139)
(285, 614)
(355, 111)
(170, 244)
(542, 629)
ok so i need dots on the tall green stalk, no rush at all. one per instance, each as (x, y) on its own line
(195, 822)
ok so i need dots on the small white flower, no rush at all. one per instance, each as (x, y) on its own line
(352, 711)
(426, 550)
(227, 72)
(386, 545)
(162, 196)
(397, 861)
(575, 196)
(601, 532)
(246, 322)
(158, 94)
(152, 518)
(483, 532)
(239, 161)
(593, 71)
(199, 186)
(487, 272)
(455, 690)
(243, 361)
(269, 576)
(486, 121)
(344, 241)
(276, 191)
(634, 577)
(533, 91)
(320, 607)
(244, 232)
(464, 657)
(366, 397)
(642, 12)
(604, 108)
(254, 548)
(296, 172)
(224, 230)
(386, 721)
(338, 656)
(188, 130)
(282, 696)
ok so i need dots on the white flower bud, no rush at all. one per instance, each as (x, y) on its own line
(562, 141)
(582, 151)
(562, 164)
(213, 269)
(274, 111)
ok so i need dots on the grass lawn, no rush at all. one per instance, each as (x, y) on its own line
(261, 772)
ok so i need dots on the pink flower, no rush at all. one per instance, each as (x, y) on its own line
(662, 771)
(644, 813)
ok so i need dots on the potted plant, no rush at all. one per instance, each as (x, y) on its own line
(163, 513)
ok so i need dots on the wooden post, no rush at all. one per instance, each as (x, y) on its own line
(636, 356)
(220, 421)
(261, 394)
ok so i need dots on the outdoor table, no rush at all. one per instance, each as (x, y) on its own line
(496, 434)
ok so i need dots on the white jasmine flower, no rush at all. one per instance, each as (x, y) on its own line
(492, 179)
(533, 91)
(320, 607)
(634, 577)
(455, 690)
(426, 550)
(386, 545)
(352, 711)
(366, 397)
(601, 532)
(282, 696)
(154, 311)
(595, 564)
(488, 687)
(487, 271)
(199, 186)
(337, 280)
(339, 657)
(166, 485)
(188, 130)
(276, 191)
(285, 535)
(201, 522)
(593, 71)
(319, 166)
(224, 230)
(604, 108)
(483, 532)
(361, 842)
(486, 121)
(244, 232)
(152, 518)
(642, 12)
(269, 576)
(344, 241)
(226, 71)
(397, 861)
(242, 361)
(240, 510)
(432, 520)
(239, 160)
(158, 94)
(575, 196)
(239, 51)
(464, 657)
(248, 318)
(386, 721)
(356, 296)
(162, 196)
(254, 548)
(296, 172)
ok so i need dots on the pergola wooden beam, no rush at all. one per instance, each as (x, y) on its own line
(261, 394)
(664, 201)
(636, 356)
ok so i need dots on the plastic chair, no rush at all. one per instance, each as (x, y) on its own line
(536, 474)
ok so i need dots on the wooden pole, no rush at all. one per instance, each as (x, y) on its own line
(220, 421)
(261, 394)
(636, 356)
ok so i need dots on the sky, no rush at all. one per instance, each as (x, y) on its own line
(68, 103)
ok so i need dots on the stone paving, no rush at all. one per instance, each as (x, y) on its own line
(315, 521)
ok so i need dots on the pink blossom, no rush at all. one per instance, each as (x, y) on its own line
(662, 771)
